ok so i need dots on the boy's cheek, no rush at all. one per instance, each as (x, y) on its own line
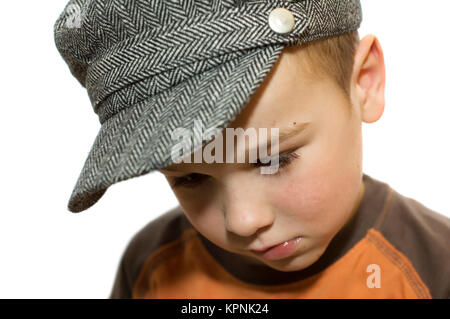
(205, 218)
(310, 198)
(303, 189)
(304, 199)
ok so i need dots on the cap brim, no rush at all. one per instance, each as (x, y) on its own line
(137, 140)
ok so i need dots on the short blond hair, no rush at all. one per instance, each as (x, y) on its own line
(332, 56)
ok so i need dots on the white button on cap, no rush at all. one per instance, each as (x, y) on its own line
(281, 20)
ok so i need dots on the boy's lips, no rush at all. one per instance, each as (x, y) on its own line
(278, 251)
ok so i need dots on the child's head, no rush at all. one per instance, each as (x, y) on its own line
(169, 65)
(320, 94)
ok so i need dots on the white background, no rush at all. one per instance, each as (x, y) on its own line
(48, 126)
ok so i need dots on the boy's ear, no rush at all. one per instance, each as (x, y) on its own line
(368, 79)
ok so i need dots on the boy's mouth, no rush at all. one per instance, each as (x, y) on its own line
(279, 251)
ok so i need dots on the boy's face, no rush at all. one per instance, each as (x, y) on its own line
(311, 198)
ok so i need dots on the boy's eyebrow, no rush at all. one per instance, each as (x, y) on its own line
(283, 135)
(286, 133)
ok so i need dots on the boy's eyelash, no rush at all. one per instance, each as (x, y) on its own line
(195, 179)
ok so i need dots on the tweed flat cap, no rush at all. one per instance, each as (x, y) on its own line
(150, 66)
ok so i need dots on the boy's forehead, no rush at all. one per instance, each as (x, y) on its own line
(283, 97)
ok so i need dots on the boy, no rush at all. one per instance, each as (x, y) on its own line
(316, 226)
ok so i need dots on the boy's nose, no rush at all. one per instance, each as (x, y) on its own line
(246, 217)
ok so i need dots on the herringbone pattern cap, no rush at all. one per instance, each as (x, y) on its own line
(150, 66)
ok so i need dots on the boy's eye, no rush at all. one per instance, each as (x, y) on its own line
(195, 179)
(284, 159)
(190, 180)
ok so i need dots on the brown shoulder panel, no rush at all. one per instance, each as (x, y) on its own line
(166, 228)
(423, 236)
